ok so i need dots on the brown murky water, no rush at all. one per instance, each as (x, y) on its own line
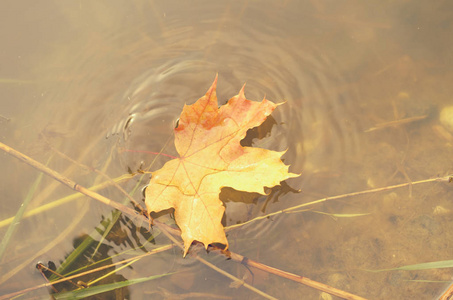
(364, 86)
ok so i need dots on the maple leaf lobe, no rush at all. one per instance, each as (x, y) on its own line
(211, 157)
(203, 112)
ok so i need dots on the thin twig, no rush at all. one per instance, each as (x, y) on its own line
(448, 178)
(304, 280)
(40, 267)
(396, 123)
(135, 203)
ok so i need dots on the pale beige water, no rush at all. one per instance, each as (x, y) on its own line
(94, 79)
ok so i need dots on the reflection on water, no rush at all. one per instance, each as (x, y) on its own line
(102, 80)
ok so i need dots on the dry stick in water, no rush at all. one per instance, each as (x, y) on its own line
(297, 278)
(165, 229)
(72, 184)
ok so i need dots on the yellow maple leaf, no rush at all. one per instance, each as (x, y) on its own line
(208, 141)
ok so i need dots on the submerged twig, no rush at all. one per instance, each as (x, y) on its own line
(304, 280)
(396, 123)
(66, 181)
(41, 267)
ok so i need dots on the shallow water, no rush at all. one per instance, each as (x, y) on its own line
(91, 80)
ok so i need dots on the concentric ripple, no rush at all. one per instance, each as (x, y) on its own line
(316, 123)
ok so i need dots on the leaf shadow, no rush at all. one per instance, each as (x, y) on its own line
(260, 132)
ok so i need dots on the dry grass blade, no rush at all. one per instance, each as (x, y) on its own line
(448, 178)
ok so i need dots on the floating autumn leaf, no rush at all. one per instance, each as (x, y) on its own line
(208, 141)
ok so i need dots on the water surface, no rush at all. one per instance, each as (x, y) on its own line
(363, 86)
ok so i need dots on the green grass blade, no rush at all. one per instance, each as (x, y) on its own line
(67, 263)
(20, 212)
(80, 250)
(95, 290)
(341, 215)
(430, 265)
(423, 266)
(117, 214)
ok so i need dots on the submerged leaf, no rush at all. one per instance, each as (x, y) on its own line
(208, 141)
